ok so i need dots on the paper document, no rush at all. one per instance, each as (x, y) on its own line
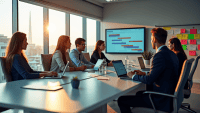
(99, 77)
(193, 47)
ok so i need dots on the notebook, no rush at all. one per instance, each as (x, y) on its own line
(96, 67)
(142, 66)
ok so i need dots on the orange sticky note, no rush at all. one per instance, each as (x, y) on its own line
(193, 41)
(196, 36)
(198, 47)
(184, 42)
(192, 53)
(185, 36)
(183, 30)
(179, 36)
(193, 31)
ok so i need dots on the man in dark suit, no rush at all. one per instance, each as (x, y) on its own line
(162, 77)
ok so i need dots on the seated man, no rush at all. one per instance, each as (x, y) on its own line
(77, 56)
(162, 77)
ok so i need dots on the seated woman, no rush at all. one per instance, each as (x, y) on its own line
(59, 56)
(98, 54)
(174, 45)
(16, 61)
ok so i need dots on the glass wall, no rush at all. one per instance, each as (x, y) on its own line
(31, 23)
(56, 28)
(5, 24)
(91, 35)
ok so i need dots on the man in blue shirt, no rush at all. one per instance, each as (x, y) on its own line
(77, 56)
(161, 78)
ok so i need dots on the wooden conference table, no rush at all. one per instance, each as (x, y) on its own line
(92, 95)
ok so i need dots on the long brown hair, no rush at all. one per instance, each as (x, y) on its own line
(14, 46)
(177, 46)
(98, 43)
(62, 40)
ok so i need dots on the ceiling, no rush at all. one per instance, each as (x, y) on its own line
(104, 1)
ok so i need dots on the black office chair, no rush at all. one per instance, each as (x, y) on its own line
(187, 92)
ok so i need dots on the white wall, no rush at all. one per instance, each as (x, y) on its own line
(148, 13)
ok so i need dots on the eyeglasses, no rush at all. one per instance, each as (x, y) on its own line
(83, 44)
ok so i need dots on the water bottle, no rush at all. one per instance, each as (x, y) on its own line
(127, 62)
(104, 66)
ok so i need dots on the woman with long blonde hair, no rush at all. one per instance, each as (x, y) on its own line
(16, 61)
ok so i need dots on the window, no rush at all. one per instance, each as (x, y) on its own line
(91, 35)
(56, 28)
(31, 23)
(5, 24)
(75, 29)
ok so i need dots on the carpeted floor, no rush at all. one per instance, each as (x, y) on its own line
(194, 101)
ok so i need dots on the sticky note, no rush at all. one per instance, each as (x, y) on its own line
(190, 36)
(193, 41)
(179, 36)
(198, 41)
(193, 47)
(183, 30)
(192, 53)
(198, 47)
(177, 31)
(193, 31)
(184, 47)
(196, 36)
(184, 42)
(185, 36)
(167, 28)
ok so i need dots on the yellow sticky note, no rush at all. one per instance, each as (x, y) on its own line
(185, 36)
(167, 28)
(196, 36)
(179, 36)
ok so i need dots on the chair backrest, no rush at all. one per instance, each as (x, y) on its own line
(87, 56)
(181, 83)
(68, 59)
(46, 61)
(3, 70)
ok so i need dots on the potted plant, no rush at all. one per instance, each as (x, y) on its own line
(147, 55)
(75, 82)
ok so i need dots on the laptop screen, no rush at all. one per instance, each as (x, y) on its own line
(119, 67)
(98, 64)
(140, 60)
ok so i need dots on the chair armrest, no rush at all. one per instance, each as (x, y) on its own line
(151, 92)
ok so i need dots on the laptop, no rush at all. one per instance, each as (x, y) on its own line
(61, 76)
(96, 67)
(120, 69)
(142, 66)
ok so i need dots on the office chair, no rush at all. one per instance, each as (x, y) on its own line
(178, 96)
(187, 92)
(46, 61)
(87, 56)
(3, 70)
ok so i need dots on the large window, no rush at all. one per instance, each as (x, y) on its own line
(75, 29)
(91, 35)
(56, 28)
(5, 24)
(31, 23)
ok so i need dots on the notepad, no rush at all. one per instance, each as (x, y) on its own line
(98, 77)
(38, 87)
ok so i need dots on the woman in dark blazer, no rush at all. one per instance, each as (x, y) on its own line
(98, 54)
(174, 45)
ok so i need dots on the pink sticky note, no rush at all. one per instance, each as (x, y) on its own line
(193, 31)
(193, 41)
(183, 42)
(198, 47)
(192, 53)
(183, 30)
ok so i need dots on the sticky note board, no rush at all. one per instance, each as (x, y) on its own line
(196, 36)
(179, 36)
(185, 36)
(184, 47)
(183, 30)
(190, 36)
(167, 28)
(193, 31)
(198, 41)
(170, 32)
(177, 31)
(198, 47)
(183, 42)
(193, 47)
(193, 41)
(192, 53)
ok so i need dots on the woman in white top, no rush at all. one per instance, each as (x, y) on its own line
(59, 56)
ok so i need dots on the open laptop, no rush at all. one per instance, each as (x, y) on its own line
(59, 76)
(120, 69)
(96, 67)
(140, 60)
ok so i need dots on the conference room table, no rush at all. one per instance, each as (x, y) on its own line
(91, 96)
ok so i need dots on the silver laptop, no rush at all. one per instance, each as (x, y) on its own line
(96, 67)
(140, 60)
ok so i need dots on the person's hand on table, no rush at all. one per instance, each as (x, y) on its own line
(52, 73)
(82, 68)
(130, 74)
(92, 66)
(110, 64)
(138, 72)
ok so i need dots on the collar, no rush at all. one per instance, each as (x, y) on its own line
(77, 50)
(160, 48)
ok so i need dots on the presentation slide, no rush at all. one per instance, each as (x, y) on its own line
(130, 40)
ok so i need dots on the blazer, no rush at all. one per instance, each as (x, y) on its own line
(95, 56)
(21, 70)
(162, 77)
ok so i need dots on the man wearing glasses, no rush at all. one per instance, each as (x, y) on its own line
(77, 56)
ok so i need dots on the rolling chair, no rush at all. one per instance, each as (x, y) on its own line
(178, 96)
(46, 61)
(187, 92)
